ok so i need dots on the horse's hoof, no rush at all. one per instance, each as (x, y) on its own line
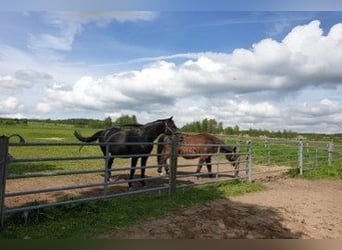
(115, 179)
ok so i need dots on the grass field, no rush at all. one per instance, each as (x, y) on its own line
(88, 219)
(333, 172)
(274, 153)
(52, 134)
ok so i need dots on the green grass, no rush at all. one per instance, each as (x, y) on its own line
(93, 218)
(285, 153)
(87, 220)
(333, 172)
(276, 154)
(52, 133)
(41, 132)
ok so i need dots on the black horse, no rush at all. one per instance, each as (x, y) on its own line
(137, 142)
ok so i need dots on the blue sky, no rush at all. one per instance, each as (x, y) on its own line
(256, 69)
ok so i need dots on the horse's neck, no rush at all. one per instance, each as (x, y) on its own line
(227, 149)
(153, 130)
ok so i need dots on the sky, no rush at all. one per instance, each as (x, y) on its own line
(271, 70)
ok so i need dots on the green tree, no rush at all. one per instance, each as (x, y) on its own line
(228, 130)
(107, 123)
(95, 124)
(236, 130)
(125, 120)
(205, 125)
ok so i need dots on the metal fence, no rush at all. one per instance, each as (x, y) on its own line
(57, 174)
(41, 175)
(279, 155)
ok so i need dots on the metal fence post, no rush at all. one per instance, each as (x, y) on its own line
(106, 173)
(218, 161)
(4, 141)
(267, 146)
(249, 160)
(173, 164)
(300, 157)
(330, 153)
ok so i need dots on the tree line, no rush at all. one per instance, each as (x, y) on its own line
(206, 125)
(214, 127)
(123, 120)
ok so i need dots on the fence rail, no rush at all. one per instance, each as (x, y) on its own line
(52, 174)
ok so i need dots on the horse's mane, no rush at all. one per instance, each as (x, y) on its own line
(134, 125)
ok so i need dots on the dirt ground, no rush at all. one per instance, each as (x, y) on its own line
(288, 208)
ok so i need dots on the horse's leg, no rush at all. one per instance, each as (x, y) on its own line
(160, 160)
(200, 164)
(110, 163)
(208, 163)
(160, 166)
(236, 169)
(132, 172)
(166, 167)
(163, 164)
(143, 165)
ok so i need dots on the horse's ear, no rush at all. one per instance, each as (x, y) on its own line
(171, 118)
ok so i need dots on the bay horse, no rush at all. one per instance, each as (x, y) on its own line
(133, 143)
(201, 146)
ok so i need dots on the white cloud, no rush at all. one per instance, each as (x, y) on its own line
(324, 108)
(10, 103)
(242, 87)
(262, 109)
(292, 64)
(10, 106)
(23, 79)
(43, 108)
(68, 24)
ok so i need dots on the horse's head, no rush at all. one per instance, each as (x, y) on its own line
(170, 126)
(234, 157)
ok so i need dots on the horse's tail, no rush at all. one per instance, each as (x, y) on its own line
(22, 140)
(92, 138)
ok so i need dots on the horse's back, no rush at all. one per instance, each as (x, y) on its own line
(203, 138)
(128, 143)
